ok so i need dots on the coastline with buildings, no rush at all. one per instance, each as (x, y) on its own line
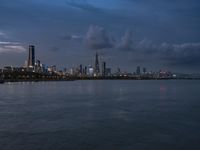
(34, 71)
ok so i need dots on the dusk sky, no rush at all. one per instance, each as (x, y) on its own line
(157, 34)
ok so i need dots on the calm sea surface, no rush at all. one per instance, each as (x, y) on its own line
(100, 115)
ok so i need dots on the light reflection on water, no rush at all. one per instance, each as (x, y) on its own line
(100, 115)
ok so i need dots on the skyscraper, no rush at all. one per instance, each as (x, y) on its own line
(97, 70)
(85, 70)
(144, 70)
(31, 56)
(91, 71)
(138, 70)
(37, 66)
(103, 68)
(108, 72)
(37, 63)
(81, 69)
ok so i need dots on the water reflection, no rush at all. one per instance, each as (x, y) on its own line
(99, 115)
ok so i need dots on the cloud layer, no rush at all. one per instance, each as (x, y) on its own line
(177, 54)
(126, 42)
(43, 22)
(97, 38)
(11, 47)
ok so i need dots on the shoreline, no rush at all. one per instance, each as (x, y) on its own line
(78, 79)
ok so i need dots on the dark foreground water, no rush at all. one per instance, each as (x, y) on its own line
(100, 115)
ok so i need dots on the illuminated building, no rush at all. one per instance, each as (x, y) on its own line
(52, 68)
(91, 71)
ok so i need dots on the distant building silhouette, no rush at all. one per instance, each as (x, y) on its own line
(91, 71)
(144, 70)
(81, 69)
(97, 70)
(85, 72)
(138, 70)
(31, 56)
(103, 68)
(37, 63)
(108, 72)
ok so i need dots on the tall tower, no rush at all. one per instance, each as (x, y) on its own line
(138, 70)
(81, 69)
(97, 70)
(31, 56)
(103, 68)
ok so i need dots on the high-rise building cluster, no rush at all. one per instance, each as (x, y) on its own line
(96, 69)
(33, 64)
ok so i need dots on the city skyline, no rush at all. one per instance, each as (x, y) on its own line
(33, 64)
(126, 34)
(99, 74)
(97, 63)
(34, 70)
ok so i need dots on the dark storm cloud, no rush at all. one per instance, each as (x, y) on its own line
(44, 22)
(84, 5)
(181, 54)
(172, 54)
(176, 54)
(97, 38)
(54, 49)
(126, 42)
